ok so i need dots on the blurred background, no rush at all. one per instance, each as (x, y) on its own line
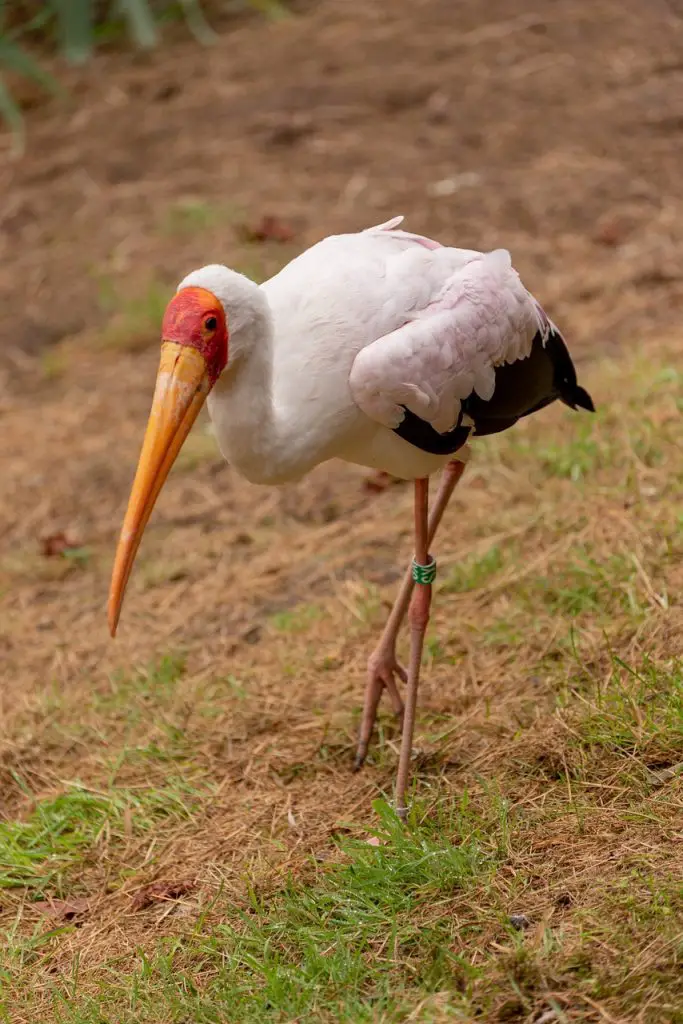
(141, 140)
(553, 129)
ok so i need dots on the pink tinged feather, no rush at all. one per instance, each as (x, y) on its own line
(479, 316)
(390, 227)
(427, 243)
(485, 382)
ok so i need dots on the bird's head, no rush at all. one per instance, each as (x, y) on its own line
(209, 307)
(195, 330)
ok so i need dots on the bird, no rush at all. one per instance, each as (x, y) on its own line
(380, 347)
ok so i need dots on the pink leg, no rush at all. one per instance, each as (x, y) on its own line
(383, 666)
(418, 616)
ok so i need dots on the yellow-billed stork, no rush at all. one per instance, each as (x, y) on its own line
(383, 348)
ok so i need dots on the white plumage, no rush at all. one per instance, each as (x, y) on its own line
(323, 356)
(382, 348)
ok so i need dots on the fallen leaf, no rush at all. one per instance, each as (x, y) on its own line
(62, 910)
(56, 544)
(380, 481)
(268, 229)
(252, 635)
(289, 132)
(664, 775)
(520, 922)
(610, 233)
(161, 890)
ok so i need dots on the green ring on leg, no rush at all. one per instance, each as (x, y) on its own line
(424, 573)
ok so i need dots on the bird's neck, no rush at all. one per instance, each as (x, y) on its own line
(253, 431)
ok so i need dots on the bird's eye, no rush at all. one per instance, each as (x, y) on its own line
(211, 323)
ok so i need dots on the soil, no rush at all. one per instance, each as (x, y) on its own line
(551, 129)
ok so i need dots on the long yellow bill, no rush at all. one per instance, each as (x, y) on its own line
(181, 389)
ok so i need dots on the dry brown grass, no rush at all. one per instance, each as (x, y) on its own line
(229, 768)
(207, 752)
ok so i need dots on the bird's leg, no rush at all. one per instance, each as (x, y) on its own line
(423, 572)
(383, 666)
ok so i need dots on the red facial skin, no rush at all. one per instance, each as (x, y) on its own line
(188, 320)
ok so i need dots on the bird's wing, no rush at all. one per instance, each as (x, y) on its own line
(471, 315)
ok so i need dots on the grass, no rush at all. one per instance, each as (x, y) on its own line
(192, 216)
(297, 620)
(472, 572)
(539, 876)
(591, 583)
(638, 711)
(306, 953)
(576, 457)
(37, 854)
(135, 325)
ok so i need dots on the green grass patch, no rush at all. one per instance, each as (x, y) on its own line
(153, 684)
(192, 216)
(590, 584)
(580, 452)
(347, 947)
(57, 835)
(137, 319)
(296, 620)
(638, 712)
(503, 633)
(474, 571)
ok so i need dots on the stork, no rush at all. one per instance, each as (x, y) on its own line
(382, 348)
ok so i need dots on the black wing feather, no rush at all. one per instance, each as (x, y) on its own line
(522, 388)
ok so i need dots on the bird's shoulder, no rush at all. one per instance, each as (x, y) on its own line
(381, 276)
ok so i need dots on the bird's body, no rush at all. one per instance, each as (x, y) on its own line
(354, 332)
(382, 348)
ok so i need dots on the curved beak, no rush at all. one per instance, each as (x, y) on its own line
(181, 389)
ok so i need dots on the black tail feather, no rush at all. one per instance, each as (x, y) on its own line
(582, 399)
(571, 393)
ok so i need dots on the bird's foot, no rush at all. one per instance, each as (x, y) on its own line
(383, 670)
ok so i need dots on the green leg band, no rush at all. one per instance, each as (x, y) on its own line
(424, 573)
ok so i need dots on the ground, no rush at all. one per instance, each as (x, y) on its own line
(181, 837)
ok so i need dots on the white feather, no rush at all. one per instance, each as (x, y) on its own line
(323, 356)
